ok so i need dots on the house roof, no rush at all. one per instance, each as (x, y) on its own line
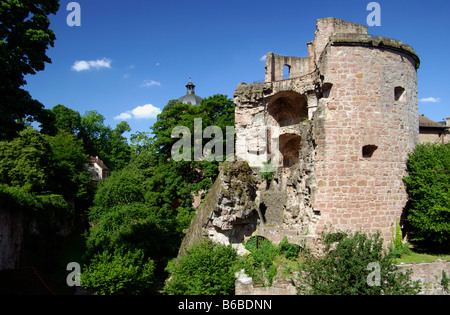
(426, 122)
(95, 159)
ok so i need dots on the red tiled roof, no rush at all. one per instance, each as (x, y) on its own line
(94, 159)
(426, 122)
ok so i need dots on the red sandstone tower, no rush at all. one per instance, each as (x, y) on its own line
(338, 131)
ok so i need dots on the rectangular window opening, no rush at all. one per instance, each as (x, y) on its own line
(368, 151)
(399, 94)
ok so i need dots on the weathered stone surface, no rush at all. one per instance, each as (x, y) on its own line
(429, 275)
(228, 213)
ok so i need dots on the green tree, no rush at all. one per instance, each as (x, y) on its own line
(121, 188)
(62, 118)
(173, 114)
(140, 142)
(344, 268)
(428, 187)
(69, 176)
(119, 149)
(94, 132)
(131, 209)
(102, 141)
(147, 204)
(41, 163)
(205, 269)
(216, 110)
(24, 39)
(118, 272)
(26, 161)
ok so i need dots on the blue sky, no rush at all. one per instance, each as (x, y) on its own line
(129, 58)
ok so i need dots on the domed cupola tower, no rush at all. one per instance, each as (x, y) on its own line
(190, 96)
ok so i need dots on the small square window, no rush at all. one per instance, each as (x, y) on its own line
(368, 151)
(399, 94)
(326, 90)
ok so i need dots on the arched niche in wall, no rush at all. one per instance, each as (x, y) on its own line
(289, 148)
(288, 108)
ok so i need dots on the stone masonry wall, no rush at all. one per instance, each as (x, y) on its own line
(429, 274)
(356, 190)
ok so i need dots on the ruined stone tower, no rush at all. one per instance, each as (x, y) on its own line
(337, 132)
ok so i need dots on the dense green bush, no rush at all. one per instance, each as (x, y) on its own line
(121, 272)
(260, 263)
(15, 198)
(50, 212)
(346, 266)
(428, 187)
(206, 269)
(289, 250)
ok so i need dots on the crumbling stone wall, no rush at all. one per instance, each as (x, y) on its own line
(229, 213)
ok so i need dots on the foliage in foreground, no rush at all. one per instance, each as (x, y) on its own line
(350, 265)
(118, 273)
(206, 269)
(209, 268)
(147, 204)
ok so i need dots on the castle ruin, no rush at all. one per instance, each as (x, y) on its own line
(336, 126)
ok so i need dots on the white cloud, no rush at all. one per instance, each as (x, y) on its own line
(430, 100)
(147, 111)
(83, 65)
(263, 58)
(157, 64)
(148, 83)
(123, 116)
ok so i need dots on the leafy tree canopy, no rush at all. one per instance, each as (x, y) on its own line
(428, 187)
(24, 39)
(147, 204)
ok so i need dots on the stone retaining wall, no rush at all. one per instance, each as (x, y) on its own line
(430, 274)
